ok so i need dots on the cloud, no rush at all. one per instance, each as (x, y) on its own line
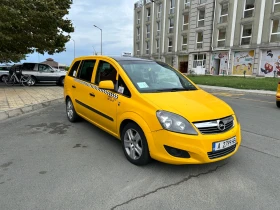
(114, 17)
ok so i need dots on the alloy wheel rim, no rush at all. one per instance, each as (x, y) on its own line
(70, 109)
(133, 144)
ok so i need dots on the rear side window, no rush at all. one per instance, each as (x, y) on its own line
(74, 69)
(85, 72)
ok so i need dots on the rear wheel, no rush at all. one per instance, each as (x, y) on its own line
(32, 81)
(135, 145)
(4, 77)
(9, 80)
(278, 104)
(70, 111)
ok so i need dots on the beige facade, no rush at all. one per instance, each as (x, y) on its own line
(216, 37)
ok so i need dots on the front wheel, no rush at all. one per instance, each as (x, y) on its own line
(135, 145)
(278, 104)
(70, 111)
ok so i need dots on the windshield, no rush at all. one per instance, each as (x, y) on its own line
(153, 76)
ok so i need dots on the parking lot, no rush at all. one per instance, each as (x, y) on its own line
(48, 163)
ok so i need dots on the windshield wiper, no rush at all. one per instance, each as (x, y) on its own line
(175, 89)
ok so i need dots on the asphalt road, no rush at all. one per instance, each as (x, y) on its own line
(48, 163)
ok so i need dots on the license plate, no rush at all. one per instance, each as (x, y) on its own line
(224, 144)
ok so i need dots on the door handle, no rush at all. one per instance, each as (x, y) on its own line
(92, 94)
(73, 86)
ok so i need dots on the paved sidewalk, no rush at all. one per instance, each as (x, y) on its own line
(16, 100)
(261, 92)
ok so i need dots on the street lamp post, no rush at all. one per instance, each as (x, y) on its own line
(74, 48)
(101, 36)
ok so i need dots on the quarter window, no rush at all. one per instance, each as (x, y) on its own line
(249, 8)
(105, 71)
(85, 72)
(122, 88)
(74, 69)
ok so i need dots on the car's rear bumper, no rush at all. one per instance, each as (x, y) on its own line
(198, 147)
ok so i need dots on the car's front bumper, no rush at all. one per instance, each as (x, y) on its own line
(197, 146)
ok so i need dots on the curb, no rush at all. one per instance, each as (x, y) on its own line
(257, 92)
(27, 109)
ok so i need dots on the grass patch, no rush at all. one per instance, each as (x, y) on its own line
(237, 82)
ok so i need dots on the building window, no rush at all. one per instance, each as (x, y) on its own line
(202, 1)
(224, 13)
(199, 60)
(148, 30)
(138, 17)
(276, 7)
(275, 31)
(137, 48)
(201, 16)
(157, 45)
(184, 43)
(249, 8)
(148, 47)
(187, 4)
(159, 10)
(199, 40)
(170, 44)
(172, 7)
(158, 28)
(148, 13)
(171, 25)
(222, 37)
(138, 34)
(186, 22)
(246, 34)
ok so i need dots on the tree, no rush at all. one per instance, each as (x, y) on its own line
(33, 25)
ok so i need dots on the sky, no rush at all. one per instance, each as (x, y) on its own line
(114, 17)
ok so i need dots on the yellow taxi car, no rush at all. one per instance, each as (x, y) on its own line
(278, 95)
(156, 112)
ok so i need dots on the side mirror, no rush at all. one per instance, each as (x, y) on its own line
(106, 84)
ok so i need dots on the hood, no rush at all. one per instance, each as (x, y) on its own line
(196, 105)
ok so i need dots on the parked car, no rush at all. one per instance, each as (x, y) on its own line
(4, 72)
(43, 73)
(156, 111)
(278, 95)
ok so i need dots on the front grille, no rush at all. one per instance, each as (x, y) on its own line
(221, 153)
(211, 127)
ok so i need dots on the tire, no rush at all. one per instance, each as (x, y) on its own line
(71, 112)
(32, 81)
(9, 81)
(3, 78)
(61, 81)
(134, 145)
(278, 104)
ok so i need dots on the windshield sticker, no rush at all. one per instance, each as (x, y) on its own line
(142, 85)
(121, 89)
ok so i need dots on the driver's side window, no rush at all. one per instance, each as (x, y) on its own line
(105, 71)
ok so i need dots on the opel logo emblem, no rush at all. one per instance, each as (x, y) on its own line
(221, 125)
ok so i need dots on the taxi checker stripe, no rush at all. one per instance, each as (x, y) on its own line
(114, 95)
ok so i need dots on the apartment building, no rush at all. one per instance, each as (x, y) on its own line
(215, 37)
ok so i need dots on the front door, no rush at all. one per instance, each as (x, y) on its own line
(106, 105)
(46, 73)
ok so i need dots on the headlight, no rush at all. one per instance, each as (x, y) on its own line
(175, 123)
